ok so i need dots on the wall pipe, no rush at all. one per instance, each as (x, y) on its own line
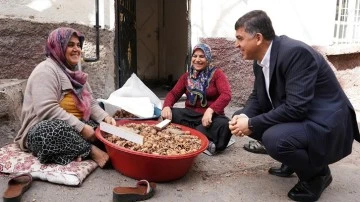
(97, 27)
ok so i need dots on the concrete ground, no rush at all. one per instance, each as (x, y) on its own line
(234, 175)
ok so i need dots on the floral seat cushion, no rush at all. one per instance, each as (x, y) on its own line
(15, 161)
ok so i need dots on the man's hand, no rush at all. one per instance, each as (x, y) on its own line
(240, 116)
(166, 113)
(207, 117)
(88, 133)
(239, 126)
(110, 120)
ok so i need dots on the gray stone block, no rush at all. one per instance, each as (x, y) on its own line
(11, 99)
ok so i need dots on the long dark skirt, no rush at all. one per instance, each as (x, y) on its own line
(57, 142)
(218, 132)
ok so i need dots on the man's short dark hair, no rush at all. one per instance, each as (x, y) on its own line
(256, 21)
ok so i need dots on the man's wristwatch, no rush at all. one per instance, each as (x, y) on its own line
(250, 126)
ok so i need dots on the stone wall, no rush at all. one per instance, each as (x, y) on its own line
(23, 47)
(239, 72)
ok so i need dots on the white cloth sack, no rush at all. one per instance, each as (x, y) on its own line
(135, 97)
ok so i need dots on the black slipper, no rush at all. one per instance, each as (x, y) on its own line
(255, 147)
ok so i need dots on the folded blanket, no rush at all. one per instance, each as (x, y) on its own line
(15, 161)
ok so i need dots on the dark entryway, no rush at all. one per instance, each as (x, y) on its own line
(152, 40)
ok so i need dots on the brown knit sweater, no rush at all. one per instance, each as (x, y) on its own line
(45, 88)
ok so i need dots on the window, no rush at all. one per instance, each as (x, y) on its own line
(347, 22)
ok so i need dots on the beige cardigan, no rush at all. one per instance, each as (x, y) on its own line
(45, 89)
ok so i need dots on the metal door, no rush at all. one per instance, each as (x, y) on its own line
(125, 39)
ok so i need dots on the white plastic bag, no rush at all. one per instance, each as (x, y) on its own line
(135, 97)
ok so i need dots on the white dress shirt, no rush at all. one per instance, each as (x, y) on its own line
(265, 64)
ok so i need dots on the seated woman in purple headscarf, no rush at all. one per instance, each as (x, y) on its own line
(59, 114)
(207, 94)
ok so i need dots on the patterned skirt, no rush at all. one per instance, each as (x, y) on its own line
(55, 141)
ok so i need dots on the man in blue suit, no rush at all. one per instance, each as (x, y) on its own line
(297, 107)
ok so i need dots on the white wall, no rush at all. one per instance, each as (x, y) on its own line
(307, 20)
(58, 11)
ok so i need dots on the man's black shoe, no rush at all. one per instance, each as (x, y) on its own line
(310, 190)
(283, 171)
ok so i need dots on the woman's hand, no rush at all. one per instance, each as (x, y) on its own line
(166, 113)
(88, 133)
(207, 117)
(110, 120)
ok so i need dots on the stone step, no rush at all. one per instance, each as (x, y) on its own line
(11, 98)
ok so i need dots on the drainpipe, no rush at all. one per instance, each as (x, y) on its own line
(97, 27)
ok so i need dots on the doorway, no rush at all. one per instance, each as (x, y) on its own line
(152, 40)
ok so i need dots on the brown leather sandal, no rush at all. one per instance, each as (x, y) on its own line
(143, 191)
(16, 187)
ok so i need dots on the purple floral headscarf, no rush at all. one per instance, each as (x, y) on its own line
(55, 49)
(198, 82)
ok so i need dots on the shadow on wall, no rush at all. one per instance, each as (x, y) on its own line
(345, 61)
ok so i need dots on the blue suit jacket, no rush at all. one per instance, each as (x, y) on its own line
(303, 88)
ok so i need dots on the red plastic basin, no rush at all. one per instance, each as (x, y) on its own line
(155, 168)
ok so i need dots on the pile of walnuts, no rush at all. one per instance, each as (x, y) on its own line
(123, 114)
(169, 141)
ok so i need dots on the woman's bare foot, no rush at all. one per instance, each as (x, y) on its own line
(99, 156)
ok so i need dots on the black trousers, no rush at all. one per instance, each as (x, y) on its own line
(218, 132)
(288, 143)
